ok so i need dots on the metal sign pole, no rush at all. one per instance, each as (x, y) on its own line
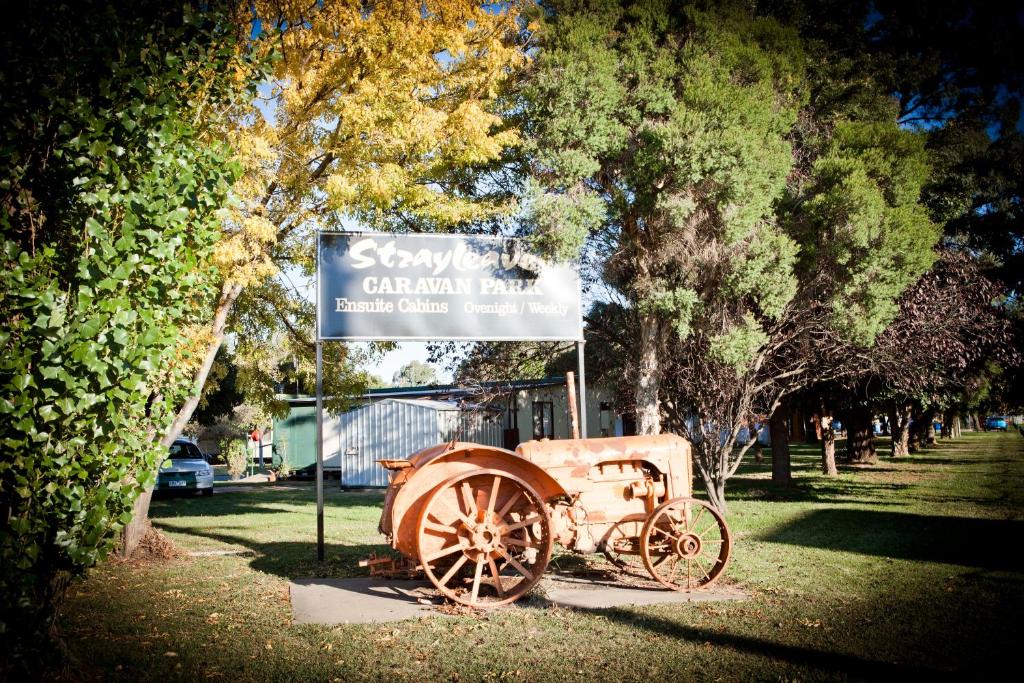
(319, 451)
(583, 390)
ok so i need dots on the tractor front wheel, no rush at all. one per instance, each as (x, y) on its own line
(484, 538)
(685, 544)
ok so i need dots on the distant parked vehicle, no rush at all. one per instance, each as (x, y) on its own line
(995, 422)
(186, 469)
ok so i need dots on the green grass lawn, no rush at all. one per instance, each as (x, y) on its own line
(906, 567)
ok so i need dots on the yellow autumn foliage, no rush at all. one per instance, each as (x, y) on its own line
(371, 110)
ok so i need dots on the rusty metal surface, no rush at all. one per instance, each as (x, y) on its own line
(390, 567)
(484, 537)
(481, 520)
(685, 544)
(410, 487)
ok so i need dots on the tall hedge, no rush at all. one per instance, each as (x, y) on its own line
(110, 184)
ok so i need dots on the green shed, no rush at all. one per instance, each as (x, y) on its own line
(296, 435)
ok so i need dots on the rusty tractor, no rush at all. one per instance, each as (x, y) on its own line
(481, 521)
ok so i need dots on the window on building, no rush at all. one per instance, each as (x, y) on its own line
(543, 420)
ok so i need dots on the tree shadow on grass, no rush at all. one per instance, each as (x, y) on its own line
(982, 543)
(818, 490)
(832, 662)
(951, 460)
(262, 501)
(295, 559)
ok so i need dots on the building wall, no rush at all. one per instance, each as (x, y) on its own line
(597, 424)
(353, 442)
(383, 430)
(394, 429)
(298, 433)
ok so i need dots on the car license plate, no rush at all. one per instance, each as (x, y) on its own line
(176, 483)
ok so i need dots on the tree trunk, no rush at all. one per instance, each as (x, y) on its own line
(229, 294)
(947, 425)
(899, 417)
(828, 443)
(753, 433)
(930, 428)
(957, 426)
(796, 422)
(648, 411)
(711, 461)
(916, 441)
(828, 450)
(716, 494)
(812, 425)
(137, 528)
(922, 433)
(977, 422)
(860, 437)
(778, 431)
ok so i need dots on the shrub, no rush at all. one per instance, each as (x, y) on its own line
(109, 199)
(237, 457)
(284, 465)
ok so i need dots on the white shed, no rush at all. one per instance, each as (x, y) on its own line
(396, 428)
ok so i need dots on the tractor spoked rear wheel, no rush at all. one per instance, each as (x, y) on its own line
(685, 544)
(484, 538)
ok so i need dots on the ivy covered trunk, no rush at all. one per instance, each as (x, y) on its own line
(648, 381)
(778, 431)
(136, 530)
(860, 437)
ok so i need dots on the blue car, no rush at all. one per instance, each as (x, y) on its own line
(995, 422)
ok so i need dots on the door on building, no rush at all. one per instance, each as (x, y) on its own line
(543, 420)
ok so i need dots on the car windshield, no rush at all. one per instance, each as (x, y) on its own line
(185, 451)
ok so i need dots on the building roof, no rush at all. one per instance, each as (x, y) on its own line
(451, 392)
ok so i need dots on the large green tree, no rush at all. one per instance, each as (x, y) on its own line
(954, 68)
(748, 227)
(110, 191)
(660, 137)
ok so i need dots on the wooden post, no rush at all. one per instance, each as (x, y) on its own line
(570, 385)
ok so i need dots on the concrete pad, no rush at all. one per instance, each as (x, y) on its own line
(375, 600)
(359, 601)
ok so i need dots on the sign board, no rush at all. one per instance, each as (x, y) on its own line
(401, 287)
